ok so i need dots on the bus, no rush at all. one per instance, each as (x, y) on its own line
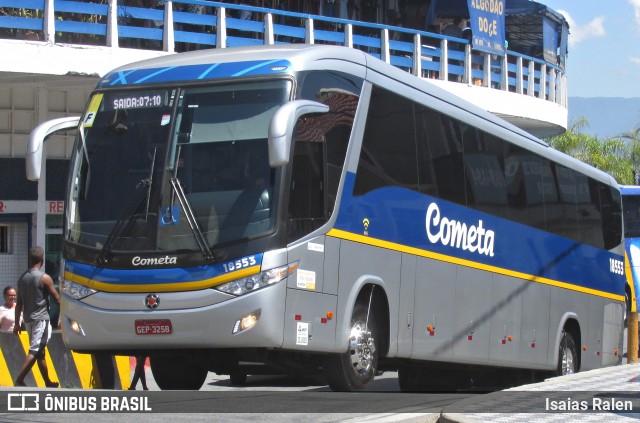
(312, 208)
(631, 209)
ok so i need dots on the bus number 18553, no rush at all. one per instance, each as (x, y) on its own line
(239, 264)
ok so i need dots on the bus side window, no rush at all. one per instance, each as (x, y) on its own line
(319, 150)
(524, 173)
(442, 136)
(388, 156)
(429, 143)
(566, 218)
(318, 157)
(484, 170)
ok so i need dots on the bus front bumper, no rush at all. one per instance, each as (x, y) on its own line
(197, 319)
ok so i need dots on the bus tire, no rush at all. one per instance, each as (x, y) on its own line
(567, 356)
(355, 369)
(177, 372)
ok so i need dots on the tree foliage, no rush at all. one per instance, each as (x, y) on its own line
(617, 156)
(633, 140)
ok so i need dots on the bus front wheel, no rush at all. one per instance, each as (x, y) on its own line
(355, 369)
(568, 356)
(177, 372)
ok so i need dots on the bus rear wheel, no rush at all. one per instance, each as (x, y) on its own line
(177, 372)
(355, 369)
(568, 356)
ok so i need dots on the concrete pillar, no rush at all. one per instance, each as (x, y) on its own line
(221, 29)
(112, 24)
(632, 337)
(348, 35)
(49, 22)
(384, 46)
(444, 60)
(308, 31)
(168, 36)
(417, 56)
(269, 37)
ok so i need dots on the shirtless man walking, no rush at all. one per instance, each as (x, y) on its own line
(31, 302)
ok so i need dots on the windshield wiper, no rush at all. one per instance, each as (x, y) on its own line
(149, 183)
(188, 211)
(117, 229)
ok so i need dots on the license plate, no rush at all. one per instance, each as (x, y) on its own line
(153, 327)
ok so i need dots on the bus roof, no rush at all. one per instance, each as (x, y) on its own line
(290, 58)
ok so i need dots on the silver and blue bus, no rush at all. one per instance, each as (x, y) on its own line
(312, 208)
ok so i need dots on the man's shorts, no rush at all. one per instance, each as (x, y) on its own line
(39, 334)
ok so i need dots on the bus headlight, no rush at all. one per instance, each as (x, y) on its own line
(255, 282)
(75, 291)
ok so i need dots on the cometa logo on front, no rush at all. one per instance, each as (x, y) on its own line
(457, 234)
(153, 261)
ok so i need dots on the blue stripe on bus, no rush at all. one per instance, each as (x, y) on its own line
(195, 72)
(168, 278)
(398, 216)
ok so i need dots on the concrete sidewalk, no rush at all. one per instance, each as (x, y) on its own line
(529, 402)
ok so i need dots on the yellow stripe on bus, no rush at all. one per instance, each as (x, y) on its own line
(163, 287)
(349, 236)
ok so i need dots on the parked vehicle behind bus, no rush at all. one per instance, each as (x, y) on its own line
(312, 207)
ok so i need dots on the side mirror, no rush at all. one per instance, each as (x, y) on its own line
(37, 138)
(281, 128)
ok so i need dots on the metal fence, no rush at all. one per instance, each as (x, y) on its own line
(183, 25)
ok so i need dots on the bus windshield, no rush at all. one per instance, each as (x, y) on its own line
(161, 169)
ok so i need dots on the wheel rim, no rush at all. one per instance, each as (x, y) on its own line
(567, 361)
(362, 348)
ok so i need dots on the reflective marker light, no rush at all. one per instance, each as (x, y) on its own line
(255, 282)
(246, 322)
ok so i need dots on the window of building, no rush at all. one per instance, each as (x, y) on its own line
(4, 239)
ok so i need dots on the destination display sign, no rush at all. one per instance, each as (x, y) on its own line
(136, 100)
